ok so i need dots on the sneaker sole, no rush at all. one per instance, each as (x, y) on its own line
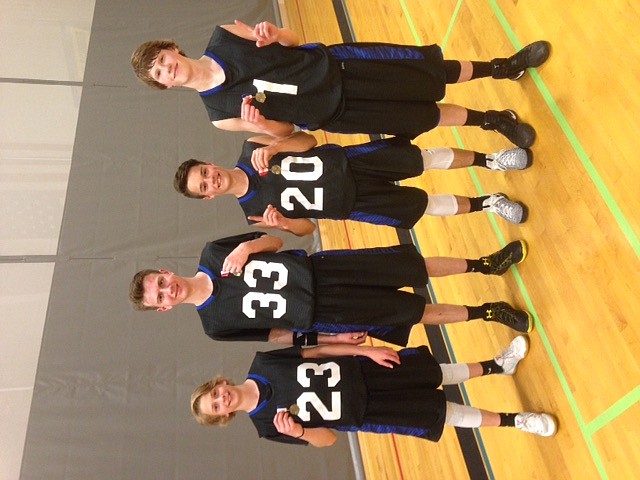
(525, 251)
(530, 327)
(554, 422)
(524, 353)
(525, 213)
(529, 158)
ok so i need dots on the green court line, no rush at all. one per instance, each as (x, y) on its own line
(614, 411)
(629, 399)
(414, 30)
(622, 221)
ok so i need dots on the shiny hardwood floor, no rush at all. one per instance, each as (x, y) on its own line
(582, 275)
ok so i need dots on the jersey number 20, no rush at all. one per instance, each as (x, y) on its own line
(289, 193)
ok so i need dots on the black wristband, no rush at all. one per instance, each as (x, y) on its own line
(301, 435)
(312, 339)
(301, 339)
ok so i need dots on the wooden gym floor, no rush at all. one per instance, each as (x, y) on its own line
(582, 276)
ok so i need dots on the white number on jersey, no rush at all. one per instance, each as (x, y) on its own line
(289, 193)
(311, 398)
(265, 270)
(264, 86)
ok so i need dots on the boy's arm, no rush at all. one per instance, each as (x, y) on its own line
(236, 260)
(297, 142)
(381, 355)
(272, 218)
(285, 337)
(264, 33)
(264, 127)
(318, 437)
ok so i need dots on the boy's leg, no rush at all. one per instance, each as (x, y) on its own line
(465, 416)
(501, 312)
(495, 264)
(447, 205)
(513, 68)
(453, 158)
(505, 363)
(504, 122)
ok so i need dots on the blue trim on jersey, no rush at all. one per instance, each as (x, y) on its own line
(405, 352)
(355, 150)
(366, 251)
(264, 381)
(250, 173)
(247, 196)
(329, 146)
(375, 428)
(309, 46)
(373, 218)
(219, 87)
(247, 169)
(345, 328)
(374, 52)
(212, 277)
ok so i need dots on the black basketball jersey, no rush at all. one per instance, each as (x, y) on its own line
(329, 392)
(313, 184)
(301, 84)
(275, 290)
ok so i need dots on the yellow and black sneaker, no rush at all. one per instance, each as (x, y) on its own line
(499, 262)
(503, 313)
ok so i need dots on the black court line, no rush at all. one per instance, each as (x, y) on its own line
(468, 444)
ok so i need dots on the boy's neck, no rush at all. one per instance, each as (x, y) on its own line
(240, 182)
(207, 74)
(201, 288)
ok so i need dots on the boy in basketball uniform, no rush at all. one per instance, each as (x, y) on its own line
(244, 290)
(298, 396)
(281, 182)
(346, 88)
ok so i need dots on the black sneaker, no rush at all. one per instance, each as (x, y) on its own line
(506, 122)
(505, 314)
(499, 262)
(514, 67)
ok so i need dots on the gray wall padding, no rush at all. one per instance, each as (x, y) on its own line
(112, 390)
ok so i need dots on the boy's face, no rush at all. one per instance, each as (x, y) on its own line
(208, 180)
(169, 68)
(221, 400)
(164, 290)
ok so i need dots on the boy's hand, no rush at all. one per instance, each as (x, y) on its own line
(265, 33)
(384, 356)
(285, 424)
(260, 159)
(271, 217)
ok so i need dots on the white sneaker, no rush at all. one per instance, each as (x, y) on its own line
(511, 211)
(541, 424)
(512, 355)
(513, 159)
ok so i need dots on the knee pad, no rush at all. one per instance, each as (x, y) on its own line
(442, 205)
(454, 373)
(437, 158)
(463, 416)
